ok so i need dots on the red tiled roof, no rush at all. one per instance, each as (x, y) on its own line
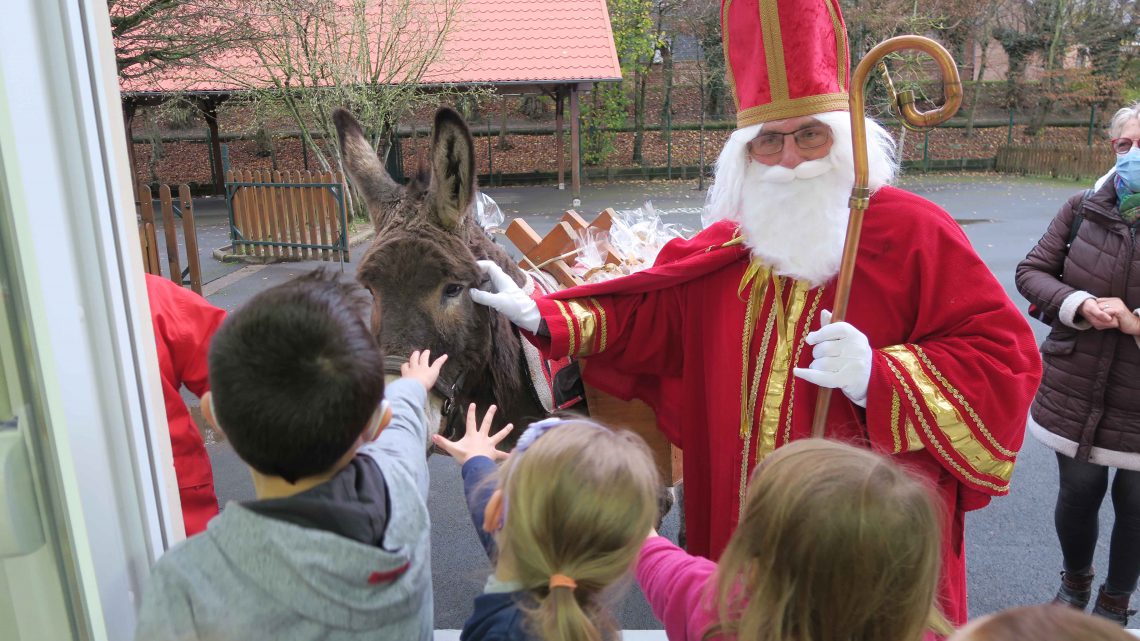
(491, 41)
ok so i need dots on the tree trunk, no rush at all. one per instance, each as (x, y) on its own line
(666, 82)
(667, 100)
(1048, 98)
(640, 80)
(981, 73)
(503, 144)
(701, 162)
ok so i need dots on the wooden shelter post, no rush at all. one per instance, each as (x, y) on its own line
(129, 109)
(210, 111)
(558, 141)
(575, 144)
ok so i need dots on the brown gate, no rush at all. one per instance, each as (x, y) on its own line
(148, 234)
(292, 215)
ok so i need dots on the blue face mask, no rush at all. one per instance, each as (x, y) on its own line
(1128, 169)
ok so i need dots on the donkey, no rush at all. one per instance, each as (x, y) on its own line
(420, 267)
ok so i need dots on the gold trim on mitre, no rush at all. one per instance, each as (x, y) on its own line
(792, 108)
(729, 78)
(773, 50)
(840, 45)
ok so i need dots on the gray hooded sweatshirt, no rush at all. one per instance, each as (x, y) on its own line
(356, 567)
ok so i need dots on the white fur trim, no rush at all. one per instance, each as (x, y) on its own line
(1136, 338)
(1070, 307)
(1112, 458)
(1098, 455)
(534, 357)
(535, 375)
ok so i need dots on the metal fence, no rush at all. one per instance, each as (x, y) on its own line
(291, 215)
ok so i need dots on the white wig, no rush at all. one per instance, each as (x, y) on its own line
(724, 196)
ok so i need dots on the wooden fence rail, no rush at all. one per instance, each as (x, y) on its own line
(148, 234)
(1059, 162)
(290, 215)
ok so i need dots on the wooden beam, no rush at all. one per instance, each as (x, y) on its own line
(558, 142)
(210, 111)
(129, 109)
(523, 236)
(572, 218)
(575, 143)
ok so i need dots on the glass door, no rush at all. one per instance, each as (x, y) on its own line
(34, 603)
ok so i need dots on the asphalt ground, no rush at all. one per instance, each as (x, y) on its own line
(1012, 552)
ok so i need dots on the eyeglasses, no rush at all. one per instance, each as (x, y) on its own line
(809, 137)
(1123, 145)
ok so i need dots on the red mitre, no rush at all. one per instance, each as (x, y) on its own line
(785, 59)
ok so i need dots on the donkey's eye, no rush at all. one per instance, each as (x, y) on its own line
(453, 290)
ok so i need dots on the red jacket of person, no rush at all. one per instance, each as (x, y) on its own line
(184, 323)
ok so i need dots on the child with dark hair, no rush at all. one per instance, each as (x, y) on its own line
(337, 543)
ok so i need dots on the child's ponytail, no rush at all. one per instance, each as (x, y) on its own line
(560, 616)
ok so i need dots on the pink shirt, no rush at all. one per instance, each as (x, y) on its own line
(675, 584)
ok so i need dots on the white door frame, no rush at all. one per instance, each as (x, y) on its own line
(79, 284)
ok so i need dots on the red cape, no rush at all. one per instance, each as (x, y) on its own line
(954, 369)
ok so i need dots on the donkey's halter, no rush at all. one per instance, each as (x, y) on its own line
(444, 388)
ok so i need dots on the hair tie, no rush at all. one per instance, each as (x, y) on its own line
(562, 581)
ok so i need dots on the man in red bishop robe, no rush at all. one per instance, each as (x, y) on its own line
(727, 337)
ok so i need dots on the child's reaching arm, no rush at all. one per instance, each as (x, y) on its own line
(476, 452)
(406, 437)
(478, 491)
(674, 582)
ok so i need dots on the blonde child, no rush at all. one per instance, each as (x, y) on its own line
(834, 543)
(567, 513)
(1041, 623)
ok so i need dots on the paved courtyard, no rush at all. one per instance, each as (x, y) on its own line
(1012, 553)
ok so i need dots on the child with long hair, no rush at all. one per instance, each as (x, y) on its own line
(1046, 622)
(567, 514)
(834, 543)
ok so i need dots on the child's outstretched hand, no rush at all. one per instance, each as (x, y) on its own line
(477, 440)
(420, 368)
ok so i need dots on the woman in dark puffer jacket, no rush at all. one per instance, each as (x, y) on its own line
(1088, 406)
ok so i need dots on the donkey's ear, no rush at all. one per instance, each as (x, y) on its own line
(363, 166)
(452, 168)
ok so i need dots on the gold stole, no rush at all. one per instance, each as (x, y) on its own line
(785, 315)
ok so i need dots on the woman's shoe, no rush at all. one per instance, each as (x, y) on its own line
(1076, 590)
(1113, 608)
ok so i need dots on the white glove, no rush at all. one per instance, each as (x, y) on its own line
(507, 298)
(842, 358)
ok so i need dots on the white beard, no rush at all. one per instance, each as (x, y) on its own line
(795, 220)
